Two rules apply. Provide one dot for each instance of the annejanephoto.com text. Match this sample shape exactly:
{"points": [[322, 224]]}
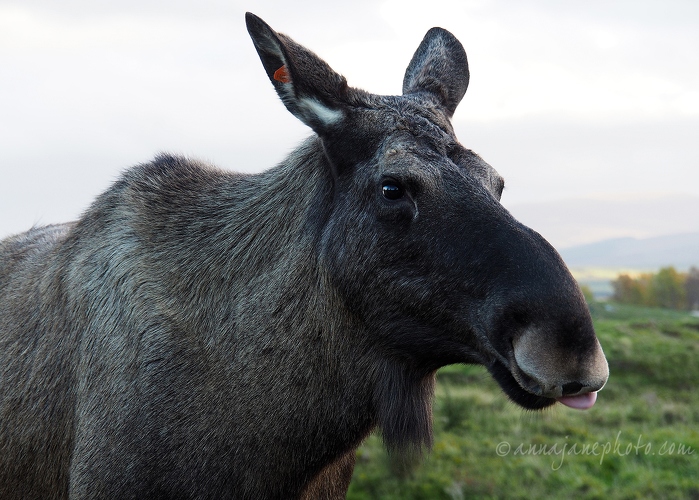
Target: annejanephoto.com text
{"points": [[618, 447]]}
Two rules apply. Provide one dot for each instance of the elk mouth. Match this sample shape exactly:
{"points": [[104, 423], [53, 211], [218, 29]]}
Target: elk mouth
{"points": [[514, 390], [532, 393]]}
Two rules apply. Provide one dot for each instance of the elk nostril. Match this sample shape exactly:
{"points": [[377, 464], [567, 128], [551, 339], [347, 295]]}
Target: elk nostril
{"points": [[571, 388]]}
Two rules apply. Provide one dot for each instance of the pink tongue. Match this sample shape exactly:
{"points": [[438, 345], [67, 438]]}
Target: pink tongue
{"points": [[581, 402]]}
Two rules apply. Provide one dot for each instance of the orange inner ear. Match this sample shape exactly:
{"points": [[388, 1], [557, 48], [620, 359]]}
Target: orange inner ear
{"points": [[282, 75]]}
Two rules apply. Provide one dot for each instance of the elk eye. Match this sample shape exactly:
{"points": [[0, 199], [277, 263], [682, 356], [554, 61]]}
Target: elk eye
{"points": [[392, 190]]}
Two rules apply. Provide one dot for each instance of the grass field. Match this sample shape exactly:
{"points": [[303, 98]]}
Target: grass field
{"points": [[641, 439]]}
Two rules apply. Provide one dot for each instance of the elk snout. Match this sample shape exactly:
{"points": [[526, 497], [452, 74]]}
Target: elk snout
{"points": [[572, 375]]}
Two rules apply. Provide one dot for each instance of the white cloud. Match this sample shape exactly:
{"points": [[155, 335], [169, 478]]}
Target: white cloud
{"points": [[582, 59], [565, 97]]}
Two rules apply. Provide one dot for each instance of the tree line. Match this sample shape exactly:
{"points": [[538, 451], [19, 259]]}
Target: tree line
{"points": [[667, 288]]}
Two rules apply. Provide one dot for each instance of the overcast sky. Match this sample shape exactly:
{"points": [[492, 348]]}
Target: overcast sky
{"points": [[567, 100]]}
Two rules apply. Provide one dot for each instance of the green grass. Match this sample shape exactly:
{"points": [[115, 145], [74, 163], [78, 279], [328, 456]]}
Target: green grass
{"points": [[641, 439]]}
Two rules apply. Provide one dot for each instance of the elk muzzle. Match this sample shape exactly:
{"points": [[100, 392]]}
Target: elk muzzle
{"points": [[572, 377]]}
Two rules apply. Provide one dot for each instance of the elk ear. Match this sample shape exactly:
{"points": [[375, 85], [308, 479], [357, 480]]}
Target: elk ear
{"points": [[440, 68], [309, 88]]}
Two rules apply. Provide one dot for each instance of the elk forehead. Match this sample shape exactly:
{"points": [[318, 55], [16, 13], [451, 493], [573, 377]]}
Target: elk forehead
{"points": [[375, 125], [419, 117], [419, 141]]}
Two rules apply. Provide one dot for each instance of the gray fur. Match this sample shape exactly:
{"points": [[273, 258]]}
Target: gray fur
{"points": [[205, 334]]}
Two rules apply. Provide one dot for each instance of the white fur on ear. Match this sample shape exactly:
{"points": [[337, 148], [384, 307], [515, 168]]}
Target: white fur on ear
{"points": [[314, 108]]}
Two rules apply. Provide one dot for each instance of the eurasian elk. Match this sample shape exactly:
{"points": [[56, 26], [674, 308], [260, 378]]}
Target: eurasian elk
{"points": [[199, 333]]}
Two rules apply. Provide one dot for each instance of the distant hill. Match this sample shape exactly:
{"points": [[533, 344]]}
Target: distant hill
{"points": [[678, 250], [572, 222]]}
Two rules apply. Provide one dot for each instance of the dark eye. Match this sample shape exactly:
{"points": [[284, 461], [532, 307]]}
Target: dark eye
{"points": [[392, 190]]}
